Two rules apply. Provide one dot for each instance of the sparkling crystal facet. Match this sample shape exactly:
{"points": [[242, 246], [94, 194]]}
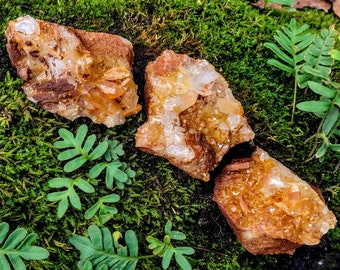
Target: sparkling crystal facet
{"points": [[269, 207], [73, 72], [193, 118]]}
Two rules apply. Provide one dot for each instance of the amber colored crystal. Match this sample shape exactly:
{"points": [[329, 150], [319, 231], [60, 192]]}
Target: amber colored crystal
{"points": [[193, 117], [73, 72], [269, 207]]}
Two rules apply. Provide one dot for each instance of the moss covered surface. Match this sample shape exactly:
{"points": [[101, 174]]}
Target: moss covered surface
{"points": [[230, 35]]}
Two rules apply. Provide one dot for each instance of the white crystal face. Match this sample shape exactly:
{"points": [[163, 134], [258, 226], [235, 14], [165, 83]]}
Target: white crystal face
{"points": [[28, 26], [200, 76]]}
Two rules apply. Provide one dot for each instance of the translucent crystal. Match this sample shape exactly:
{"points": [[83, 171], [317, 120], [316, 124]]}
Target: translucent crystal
{"points": [[72, 72], [27, 25], [193, 118], [269, 207]]}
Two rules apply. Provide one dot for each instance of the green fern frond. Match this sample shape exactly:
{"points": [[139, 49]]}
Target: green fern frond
{"points": [[101, 249], [18, 246], [293, 42], [105, 212], [115, 172], [114, 150], [78, 149], [327, 107], [167, 251], [318, 60], [68, 196], [89, 266]]}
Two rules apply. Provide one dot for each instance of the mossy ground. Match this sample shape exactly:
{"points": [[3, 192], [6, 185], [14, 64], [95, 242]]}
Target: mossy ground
{"points": [[230, 35]]}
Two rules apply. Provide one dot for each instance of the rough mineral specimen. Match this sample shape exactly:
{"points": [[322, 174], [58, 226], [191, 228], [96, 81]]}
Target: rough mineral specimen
{"points": [[73, 72], [193, 118], [270, 208]]}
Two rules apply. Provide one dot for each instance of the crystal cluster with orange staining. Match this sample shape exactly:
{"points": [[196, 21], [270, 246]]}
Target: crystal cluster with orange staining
{"points": [[261, 199], [73, 72], [193, 118]]}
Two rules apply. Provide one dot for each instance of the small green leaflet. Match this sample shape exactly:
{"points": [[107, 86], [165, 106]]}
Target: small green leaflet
{"points": [[78, 148], [105, 212], [17, 246], [69, 195], [318, 60], [166, 250], [101, 249], [314, 106]]}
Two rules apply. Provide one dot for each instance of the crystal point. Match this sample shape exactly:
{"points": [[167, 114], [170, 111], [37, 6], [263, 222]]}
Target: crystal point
{"points": [[73, 72], [193, 118], [269, 207]]}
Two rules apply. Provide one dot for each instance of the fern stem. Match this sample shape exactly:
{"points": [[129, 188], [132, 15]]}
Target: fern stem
{"points": [[316, 136], [294, 99]]}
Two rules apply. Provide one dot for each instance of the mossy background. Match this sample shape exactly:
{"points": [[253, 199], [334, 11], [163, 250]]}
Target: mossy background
{"points": [[230, 35]]}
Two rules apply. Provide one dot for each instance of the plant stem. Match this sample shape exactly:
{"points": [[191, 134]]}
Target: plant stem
{"points": [[316, 136], [294, 99]]}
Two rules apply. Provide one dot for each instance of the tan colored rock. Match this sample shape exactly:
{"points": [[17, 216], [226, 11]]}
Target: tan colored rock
{"points": [[319, 4], [193, 118], [73, 72], [299, 4], [270, 209], [336, 7]]}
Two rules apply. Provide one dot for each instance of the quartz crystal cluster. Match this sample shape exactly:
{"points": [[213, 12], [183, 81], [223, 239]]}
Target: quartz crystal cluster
{"points": [[270, 208], [73, 72], [193, 118]]}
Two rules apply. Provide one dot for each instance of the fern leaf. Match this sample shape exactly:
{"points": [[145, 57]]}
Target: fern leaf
{"points": [[306, 40], [132, 243], [80, 135], [168, 254], [314, 106], [282, 2], [322, 90], [330, 120], [18, 247], [297, 31], [280, 65], [102, 208], [15, 238], [4, 229], [284, 42], [67, 136], [102, 248], [313, 72], [294, 41], [182, 261], [77, 152], [69, 195], [75, 164], [318, 59], [99, 150], [90, 140], [114, 150], [279, 53]]}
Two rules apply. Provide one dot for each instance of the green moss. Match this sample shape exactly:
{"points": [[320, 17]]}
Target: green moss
{"points": [[230, 35]]}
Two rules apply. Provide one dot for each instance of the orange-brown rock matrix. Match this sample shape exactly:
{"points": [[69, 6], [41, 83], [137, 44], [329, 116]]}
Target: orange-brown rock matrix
{"points": [[270, 208], [193, 117], [73, 72]]}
